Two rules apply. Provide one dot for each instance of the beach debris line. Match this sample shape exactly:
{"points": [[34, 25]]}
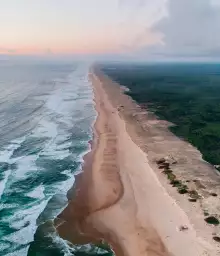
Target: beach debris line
{"points": [[183, 228], [164, 163], [194, 196], [161, 161], [213, 194], [206, 213], [192, 199], [120, 108]]}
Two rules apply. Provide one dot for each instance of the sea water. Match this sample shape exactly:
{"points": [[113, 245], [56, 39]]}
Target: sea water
{"points": [[47, 113]]}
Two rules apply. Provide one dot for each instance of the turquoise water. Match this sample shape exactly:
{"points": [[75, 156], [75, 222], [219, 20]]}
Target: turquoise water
{"points": [[47, 112]]}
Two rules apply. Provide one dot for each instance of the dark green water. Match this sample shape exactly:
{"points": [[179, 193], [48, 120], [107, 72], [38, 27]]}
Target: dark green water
{"points": [[47, 112]]}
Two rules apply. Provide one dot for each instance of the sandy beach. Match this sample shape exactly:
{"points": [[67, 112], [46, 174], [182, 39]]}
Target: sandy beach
{"points": [[123, 197]]}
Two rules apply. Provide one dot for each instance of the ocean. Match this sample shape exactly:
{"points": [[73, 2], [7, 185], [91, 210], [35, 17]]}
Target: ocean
{"points": [[46, 112]]}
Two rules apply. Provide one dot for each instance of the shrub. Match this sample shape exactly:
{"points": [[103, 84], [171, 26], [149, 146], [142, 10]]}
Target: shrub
{"points": [[212, 220]]}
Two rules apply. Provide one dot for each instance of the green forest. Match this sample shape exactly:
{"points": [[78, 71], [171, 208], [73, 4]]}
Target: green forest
{"points": [[188, 95]]}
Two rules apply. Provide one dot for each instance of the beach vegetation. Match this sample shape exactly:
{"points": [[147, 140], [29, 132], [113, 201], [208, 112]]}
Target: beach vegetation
{"points": [[212, 220], [185, 94], [216, 238], [182, 189], [171, 176], [176, 183]]}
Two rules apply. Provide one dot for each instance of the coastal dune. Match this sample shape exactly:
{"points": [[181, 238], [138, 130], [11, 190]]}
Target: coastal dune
{"points": [[119, 198]]}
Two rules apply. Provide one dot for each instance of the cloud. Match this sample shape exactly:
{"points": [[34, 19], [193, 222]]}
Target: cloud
{"points": [[191, 29], [133, 3], [141, 14]]}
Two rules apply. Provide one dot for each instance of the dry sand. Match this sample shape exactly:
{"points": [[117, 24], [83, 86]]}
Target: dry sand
{"points": [[123, 197]]}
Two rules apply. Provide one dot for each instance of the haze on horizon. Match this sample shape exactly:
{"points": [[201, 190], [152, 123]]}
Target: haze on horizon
{"points": [[136, 29]]}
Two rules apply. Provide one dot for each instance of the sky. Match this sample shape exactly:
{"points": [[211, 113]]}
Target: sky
{"points": [[134, 28]]}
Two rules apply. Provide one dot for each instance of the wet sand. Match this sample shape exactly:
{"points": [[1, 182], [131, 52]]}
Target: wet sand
{"points": [[121, 195]]}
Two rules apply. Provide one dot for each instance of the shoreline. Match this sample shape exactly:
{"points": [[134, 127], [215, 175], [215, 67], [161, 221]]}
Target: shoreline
{"points": [[114, 202], [80, 193]]}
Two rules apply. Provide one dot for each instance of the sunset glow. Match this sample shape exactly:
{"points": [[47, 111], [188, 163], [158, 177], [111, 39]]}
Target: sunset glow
{"points": [[147, 28], [78, 26]]}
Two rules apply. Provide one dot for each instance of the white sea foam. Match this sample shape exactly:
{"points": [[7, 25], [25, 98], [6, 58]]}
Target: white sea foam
{"points": [[68, 183], [66, 107], [5, 157], [26, 221], [46, 128], [7, 152], [21, 252], [37, 192], [25, 165], [4, 182]]}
